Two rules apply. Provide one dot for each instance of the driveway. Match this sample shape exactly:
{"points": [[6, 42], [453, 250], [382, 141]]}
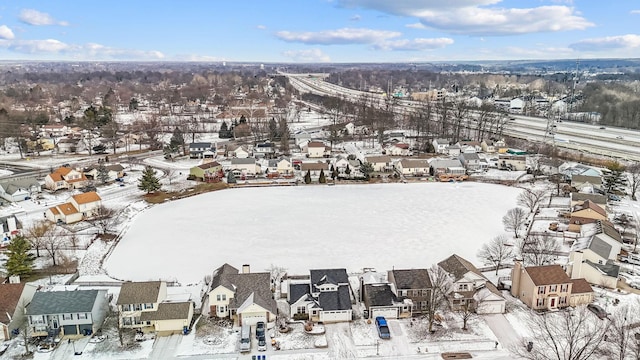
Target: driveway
{"points": [[502, 329], [165, 347]]}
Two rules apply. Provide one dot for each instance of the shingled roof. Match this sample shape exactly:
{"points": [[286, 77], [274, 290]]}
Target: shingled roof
{"points": [[168, 311], [253, 286], [411, 279], [547, 275], [458, 267], [62, 302], [379, 295], [9, 297], [146, 292]]}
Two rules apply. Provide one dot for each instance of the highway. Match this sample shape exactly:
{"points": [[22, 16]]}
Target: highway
{"points": [[622, 144]]}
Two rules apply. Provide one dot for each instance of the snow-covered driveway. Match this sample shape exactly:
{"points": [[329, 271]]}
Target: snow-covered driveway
{"points": [[502, 329]]}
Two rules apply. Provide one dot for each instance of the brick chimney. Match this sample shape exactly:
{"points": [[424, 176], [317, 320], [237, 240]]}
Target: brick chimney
{"points": [[246, 269]]}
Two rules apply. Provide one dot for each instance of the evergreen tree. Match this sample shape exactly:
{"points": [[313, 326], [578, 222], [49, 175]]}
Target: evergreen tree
{"points": [[322, 179], [366, 169], [177, 140], [103, 174], [273, 130], [284, 136], [307, 177], [614, 179], [20, 261], [224, 132], [347, 171], [334, 172], [231, 179], [149, 182], [133, 104]]}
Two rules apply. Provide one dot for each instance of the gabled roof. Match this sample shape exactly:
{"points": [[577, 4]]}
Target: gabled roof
{"points": [[145, 292], [297, 291], [414, 163], [9, 296], [589, 205], [87, 197], [596, 198], [115, 167], [238, 161], [332, 276], [168, 311], [411, 279], [458, 267], [378, 159], [335, 300], [11, 186], [66, 209], [600, 247], [608, 269], [470, 156], [379, 295], [547, 275], [62, 302], [314, 166], [198, 145], [580, 286], [255, 285], [315, 144], [221, 277], [608, 229]]}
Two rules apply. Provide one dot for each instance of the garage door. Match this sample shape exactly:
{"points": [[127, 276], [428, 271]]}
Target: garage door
{"points": [[252, 319], [386, 312], [491, 307], [335, 316], [70, 330]]}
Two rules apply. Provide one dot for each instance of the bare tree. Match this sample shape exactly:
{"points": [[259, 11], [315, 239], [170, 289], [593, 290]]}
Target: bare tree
{"points": [[277, 272], [622, 332], [537, 250], [496, 251], [514, 219], [531, 198], [36, 234], [565, 335], [634, 179], [53, 241], [104, 218], [441, 286]]}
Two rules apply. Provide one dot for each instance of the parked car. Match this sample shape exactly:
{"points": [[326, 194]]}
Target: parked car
{"points": [[619, 137], [262, 343], [614, 197], [602, 128], [599, 311], [260, 329]]}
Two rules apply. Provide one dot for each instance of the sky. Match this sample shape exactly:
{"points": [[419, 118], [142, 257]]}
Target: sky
{"points": [[316, 31]]}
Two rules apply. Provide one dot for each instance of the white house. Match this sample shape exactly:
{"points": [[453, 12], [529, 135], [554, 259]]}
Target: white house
{"points": [[19, 189]]}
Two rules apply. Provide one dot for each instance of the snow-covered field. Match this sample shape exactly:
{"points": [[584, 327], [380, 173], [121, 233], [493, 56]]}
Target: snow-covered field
{"points": [[305, 227]]}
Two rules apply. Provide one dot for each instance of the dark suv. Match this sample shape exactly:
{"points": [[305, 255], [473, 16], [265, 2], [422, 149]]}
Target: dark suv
{"points": [[260, 330]]}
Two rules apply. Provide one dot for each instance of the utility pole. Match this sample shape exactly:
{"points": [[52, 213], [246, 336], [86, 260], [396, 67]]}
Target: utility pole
{"points": [[573, 90]]}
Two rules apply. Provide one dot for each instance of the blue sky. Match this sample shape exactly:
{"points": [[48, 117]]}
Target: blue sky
{"points": [[318, 30]]}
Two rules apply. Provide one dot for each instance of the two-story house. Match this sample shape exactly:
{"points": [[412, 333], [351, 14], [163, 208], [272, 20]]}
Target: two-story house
{"points": [[206, 171], [586, 212], [380, 163], [317, 149], [76, 312], [245, 297], [79, 207], [440, 145], [548, 287], [329, 294], [113, 172], [14, 297], [135, 298], [412, 167], [197, 149], [413, 284], [19, 189], [470, 289], [594, 254], [65, 178]]}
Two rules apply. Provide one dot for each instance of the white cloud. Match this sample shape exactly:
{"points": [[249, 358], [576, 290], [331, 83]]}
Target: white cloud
{"points": [[90, 51], [6, 33], [416, 26], [35, 17], [339, 36], [608, 43], [414, 45], [475, 18], [635, 12], [307, 56], [261, 27], [197, 58]]}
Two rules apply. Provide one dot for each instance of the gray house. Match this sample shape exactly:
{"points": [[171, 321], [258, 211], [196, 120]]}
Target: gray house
{"points": [[79, 312], [19, 189], [197, 149]]}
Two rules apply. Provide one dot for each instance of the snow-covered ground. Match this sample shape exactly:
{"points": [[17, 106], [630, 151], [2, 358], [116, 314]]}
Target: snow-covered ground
{"points": [[305, 227]]}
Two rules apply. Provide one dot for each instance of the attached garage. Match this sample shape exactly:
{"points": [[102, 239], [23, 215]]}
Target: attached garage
{"points": [[252, 318], [491, 307], [389, 313], [70, 329], [86, 329], [335, 316]]}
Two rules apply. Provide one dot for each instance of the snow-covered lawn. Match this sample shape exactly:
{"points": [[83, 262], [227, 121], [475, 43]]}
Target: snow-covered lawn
{"points": [[306, 227]]}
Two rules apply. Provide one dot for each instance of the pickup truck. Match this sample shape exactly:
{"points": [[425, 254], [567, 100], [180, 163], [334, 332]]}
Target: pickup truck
{"points": [[383, 328]]}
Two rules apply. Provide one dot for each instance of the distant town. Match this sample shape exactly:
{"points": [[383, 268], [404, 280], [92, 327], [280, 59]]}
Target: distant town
{"points": [[224, 210]]}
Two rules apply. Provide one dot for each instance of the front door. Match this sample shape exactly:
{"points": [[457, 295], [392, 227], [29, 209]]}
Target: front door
{"points": [[553, 303]]}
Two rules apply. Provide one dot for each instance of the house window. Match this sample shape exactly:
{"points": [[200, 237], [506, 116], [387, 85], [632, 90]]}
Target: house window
{"points": [[222, 309], [540, 302], [463, 287], [425, 292], [402, 292], [563, 300], [564, 288], [81, 316], [148, 306], [67, 316], [423, 305], [136, 321], [126, 321], [541, 289], [302, 310], [224, 297], [138, 307], [126, 307], [553, 288]]}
